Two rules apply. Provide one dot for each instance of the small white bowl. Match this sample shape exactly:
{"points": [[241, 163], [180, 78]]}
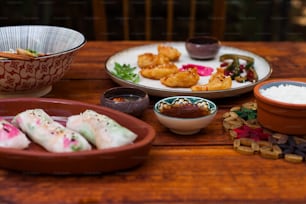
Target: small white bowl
{"points": [[187, 115]]}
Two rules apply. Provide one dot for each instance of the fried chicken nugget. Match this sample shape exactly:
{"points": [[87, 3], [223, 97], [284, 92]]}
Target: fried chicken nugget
{"points": [[159, 71], [170, 52], [181, 79], [217, 81], [149, 60]]}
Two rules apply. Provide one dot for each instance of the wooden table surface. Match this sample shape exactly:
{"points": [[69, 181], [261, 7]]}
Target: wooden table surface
{"points": [[202, 168]]}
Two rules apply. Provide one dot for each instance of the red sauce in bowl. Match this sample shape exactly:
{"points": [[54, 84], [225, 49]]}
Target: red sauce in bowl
{"points": [[125, 98]]}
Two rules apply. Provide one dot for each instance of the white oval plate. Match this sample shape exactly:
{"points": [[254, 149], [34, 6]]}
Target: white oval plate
{"points": [[154, 87]]}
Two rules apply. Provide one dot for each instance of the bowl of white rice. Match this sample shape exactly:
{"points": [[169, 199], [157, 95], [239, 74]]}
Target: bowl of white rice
{"points": [[282, 105]]}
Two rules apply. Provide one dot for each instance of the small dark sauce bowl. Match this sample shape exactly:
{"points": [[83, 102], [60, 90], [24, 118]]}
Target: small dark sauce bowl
{"points": [[129, 100], [202, 47]]}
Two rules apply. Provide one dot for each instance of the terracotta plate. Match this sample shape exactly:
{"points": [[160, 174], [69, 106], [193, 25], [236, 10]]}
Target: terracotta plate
{"points": [[154, 87], [37, 160]]}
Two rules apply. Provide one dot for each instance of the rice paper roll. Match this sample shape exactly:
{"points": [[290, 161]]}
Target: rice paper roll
{"points": [[100, 130], [51, 135], [11, 136]]}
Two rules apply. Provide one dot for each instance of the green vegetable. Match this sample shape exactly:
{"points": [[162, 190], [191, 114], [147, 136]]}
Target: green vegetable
{"points": [[126, 72], [240, 72], [247, 114], [34, 52]]}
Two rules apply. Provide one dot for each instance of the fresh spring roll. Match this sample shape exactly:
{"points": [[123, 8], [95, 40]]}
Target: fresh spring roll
{"points": [[100, 130], [51, 135], [11, 136]]}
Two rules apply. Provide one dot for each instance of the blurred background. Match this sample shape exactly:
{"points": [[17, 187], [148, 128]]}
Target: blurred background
{"points": [[173, 20]]}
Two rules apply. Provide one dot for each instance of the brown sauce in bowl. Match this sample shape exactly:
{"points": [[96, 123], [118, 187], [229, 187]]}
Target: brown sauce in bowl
{"points": [[185, 111]]}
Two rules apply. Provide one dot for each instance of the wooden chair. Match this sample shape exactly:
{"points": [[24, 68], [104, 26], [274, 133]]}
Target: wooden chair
{"points": [[101, 19]]}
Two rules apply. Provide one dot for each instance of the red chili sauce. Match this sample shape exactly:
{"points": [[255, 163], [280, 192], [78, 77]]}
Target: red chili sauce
{"points": [[125, 98], [185, 111]]}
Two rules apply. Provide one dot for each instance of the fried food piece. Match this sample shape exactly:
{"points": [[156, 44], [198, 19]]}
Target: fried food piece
{"points": [[217, 81], [181, 79], [159, 71], [149, 60], [170, 52]]}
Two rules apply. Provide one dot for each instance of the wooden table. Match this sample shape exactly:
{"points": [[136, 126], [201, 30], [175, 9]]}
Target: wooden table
{"points": [[202, 168]]}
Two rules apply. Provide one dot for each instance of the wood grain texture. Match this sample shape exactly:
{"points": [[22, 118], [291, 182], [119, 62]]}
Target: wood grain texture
{"points": [[179, 169], [170, 175]]}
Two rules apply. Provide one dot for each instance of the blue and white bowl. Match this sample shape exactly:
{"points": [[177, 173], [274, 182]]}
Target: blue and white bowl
{"points": [[35, 77], [182, 125]]}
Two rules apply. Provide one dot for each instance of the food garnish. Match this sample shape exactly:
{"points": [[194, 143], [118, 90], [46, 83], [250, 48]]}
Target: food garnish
{"points": [[202, 70], [8, 55], [241, 72], [27, 52], [21, 54], [126, 72]]}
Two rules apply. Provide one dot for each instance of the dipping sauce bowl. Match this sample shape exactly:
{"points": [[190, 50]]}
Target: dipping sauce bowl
{"points": [[129, 100], [185, 115], [202, 47]]}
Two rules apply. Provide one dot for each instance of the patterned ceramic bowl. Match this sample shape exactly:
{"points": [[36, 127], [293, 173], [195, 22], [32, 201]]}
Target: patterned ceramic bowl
{"points": [[185, 115], [35, 77]]}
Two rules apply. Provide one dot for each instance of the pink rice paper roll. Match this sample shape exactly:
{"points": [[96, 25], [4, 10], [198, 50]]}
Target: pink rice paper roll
{"points": [[11, 136], [100, 130], [51, 135]]}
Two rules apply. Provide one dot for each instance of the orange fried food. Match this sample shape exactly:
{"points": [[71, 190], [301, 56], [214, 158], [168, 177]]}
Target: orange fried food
{"points": [[170, 52], [149, 60], [217, 81], [181, 79], [159, 71]]}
